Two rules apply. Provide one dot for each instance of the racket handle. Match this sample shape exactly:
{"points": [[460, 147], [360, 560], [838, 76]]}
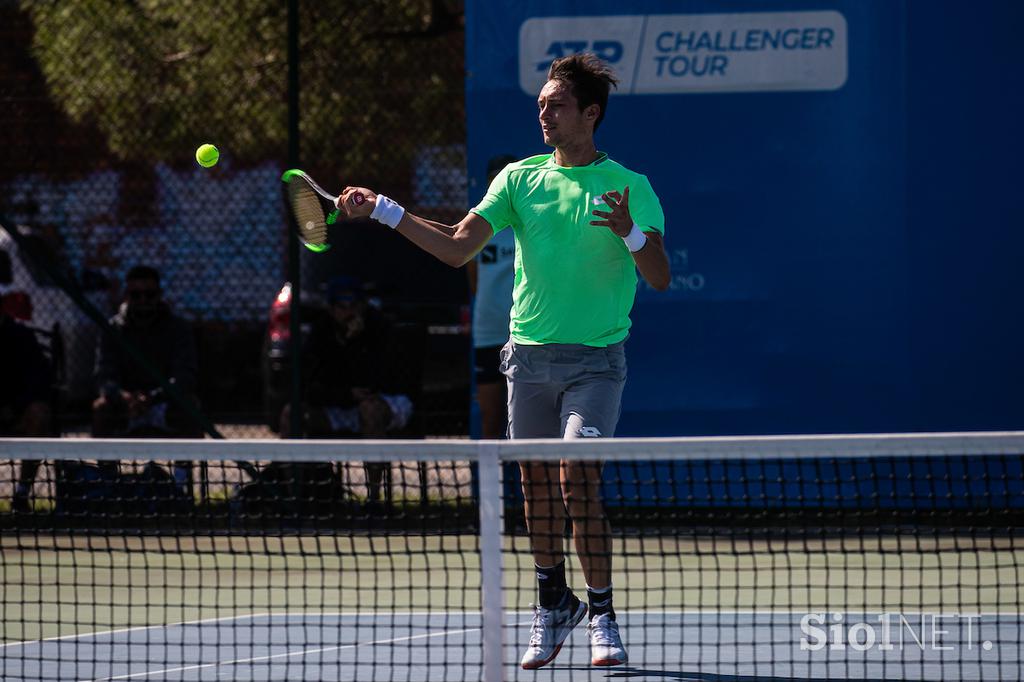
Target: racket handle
{"points": [[358, 199]]}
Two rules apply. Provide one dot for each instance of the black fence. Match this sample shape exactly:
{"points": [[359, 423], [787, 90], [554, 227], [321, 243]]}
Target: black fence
{"points": [[102, 106]]}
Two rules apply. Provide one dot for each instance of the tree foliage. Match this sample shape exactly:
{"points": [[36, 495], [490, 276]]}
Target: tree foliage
{"points": [[158, 77]]}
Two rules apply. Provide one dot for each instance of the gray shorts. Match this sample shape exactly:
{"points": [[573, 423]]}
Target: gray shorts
{"points": [[563, 390]]}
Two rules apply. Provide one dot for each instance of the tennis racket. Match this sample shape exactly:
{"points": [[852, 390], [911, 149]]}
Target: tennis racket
{"points": [[313, 208]]}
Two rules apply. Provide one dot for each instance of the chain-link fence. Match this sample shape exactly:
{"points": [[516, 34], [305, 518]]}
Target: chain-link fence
{"points": [[103, 106]]}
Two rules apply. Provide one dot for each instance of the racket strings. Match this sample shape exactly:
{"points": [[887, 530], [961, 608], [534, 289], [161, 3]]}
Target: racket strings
{"points": [[309, 214]]}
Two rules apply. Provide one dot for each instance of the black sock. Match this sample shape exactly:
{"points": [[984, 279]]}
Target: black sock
{"points": [[600, 601], [551, 582]]}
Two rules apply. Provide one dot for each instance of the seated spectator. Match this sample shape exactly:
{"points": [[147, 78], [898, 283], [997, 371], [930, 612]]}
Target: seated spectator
{"points": [[24, 395], [351, 388], [130, 402]]}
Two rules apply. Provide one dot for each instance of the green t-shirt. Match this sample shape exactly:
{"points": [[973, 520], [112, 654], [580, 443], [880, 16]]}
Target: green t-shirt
{"points": [[574, 282]]}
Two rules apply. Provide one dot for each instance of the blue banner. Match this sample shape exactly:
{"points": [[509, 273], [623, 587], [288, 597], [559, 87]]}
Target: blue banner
{"points": [[840, 188]]}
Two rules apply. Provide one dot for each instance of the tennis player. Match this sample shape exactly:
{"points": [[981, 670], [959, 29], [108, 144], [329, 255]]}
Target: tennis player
{"points": [[583, 226]]}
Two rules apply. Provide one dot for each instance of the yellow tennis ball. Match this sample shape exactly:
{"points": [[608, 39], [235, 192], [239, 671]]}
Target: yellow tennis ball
{"points": [[207, 155]]}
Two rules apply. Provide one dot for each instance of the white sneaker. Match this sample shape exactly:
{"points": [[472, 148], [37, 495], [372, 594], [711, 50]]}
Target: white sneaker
{"points": [[550, 628], [605, 643]]}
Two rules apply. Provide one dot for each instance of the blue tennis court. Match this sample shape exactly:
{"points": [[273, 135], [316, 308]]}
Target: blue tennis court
{"points": [[447, 646]]}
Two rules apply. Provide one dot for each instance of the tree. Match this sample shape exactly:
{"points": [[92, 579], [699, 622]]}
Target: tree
{"points": [[158, 77]]}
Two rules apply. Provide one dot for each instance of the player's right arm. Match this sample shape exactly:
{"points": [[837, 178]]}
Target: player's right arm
{"points": [[455, 245], [452, 244]]}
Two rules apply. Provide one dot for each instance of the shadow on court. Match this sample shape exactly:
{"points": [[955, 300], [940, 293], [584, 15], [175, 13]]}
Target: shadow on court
{"points": [[643, 673]]}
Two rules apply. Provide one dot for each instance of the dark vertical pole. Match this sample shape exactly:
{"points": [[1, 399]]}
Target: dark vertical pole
{"points": [[294, 270]]}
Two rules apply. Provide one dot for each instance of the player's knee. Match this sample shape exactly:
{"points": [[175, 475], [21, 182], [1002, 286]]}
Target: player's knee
{"points": [[537, 473], [576, 502], [581, 474], [582, 498]]}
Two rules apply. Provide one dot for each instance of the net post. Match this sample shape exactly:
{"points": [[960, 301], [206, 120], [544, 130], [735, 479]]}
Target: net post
{"points": [[492, 627]]}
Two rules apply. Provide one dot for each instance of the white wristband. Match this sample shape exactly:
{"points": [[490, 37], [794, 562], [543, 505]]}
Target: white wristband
{"points": [[635, 240], [387, 211]]}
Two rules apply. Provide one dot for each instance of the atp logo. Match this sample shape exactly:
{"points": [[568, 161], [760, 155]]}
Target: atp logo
{"points": [[609, 50], [614, 39]]}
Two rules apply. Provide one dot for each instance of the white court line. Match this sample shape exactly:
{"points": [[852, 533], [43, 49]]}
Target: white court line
{"points": [[794, 612], [442, 614], [143, 628], [376, 614], [303, 652], [140, 628]]}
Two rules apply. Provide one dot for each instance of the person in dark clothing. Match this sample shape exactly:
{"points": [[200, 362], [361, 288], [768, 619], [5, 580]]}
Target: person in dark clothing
{"points": [[130, 402], [351, 387], [27, 380]]}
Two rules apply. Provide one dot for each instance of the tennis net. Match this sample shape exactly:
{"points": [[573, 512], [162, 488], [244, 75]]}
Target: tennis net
{"points": [[824, 557]]}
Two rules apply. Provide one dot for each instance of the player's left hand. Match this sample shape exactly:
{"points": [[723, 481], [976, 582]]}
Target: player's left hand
{"points": [[618, 219]]}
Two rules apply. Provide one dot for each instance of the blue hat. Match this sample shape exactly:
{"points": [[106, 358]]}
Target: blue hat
{"points": [[344, 287]]}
